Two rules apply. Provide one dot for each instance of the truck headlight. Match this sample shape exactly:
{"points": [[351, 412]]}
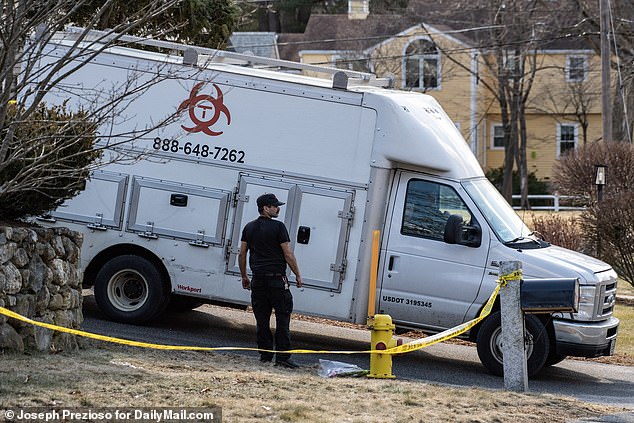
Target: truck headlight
{"points": [[587, 301]]}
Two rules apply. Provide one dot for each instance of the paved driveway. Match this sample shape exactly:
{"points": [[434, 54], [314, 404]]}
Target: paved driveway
{"points": [[445, 363]]}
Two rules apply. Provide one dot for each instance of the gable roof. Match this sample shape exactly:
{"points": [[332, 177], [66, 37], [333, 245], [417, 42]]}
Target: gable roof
{"points": [[466, 15], [339, 33]]}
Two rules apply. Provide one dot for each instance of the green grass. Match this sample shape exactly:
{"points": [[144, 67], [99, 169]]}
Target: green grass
{"points": [[625, 339]]}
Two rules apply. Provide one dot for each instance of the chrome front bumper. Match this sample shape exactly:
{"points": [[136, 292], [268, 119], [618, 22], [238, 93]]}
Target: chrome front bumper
{"points": [[586, 339]]}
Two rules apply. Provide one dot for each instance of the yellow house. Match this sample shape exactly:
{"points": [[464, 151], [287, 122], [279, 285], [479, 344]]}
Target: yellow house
{"points": [[562, 112]]}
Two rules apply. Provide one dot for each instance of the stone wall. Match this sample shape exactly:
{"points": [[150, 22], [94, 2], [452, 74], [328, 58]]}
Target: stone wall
{"points": [[39, 279]]}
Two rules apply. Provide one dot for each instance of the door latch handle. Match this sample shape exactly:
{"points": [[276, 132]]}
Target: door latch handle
{"points": [[303, 235], [390, 265]]}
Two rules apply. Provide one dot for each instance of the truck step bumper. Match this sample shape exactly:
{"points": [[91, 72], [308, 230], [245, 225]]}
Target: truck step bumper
{"points": [[586, 339]]}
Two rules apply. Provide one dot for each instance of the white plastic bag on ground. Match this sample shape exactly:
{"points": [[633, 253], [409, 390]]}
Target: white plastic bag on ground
{"points": [[329, 368]]}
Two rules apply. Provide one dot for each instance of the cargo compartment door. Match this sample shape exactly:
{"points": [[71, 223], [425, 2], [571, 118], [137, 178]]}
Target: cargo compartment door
{"points": [[100, 206], [318, 222], [319, 233], [249, 189]]}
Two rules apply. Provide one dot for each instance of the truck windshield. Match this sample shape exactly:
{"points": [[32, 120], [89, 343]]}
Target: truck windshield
{"points": [[503, 220]]}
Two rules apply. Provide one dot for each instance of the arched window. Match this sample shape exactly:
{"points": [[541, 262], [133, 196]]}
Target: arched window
{"points": [[422, 65]]}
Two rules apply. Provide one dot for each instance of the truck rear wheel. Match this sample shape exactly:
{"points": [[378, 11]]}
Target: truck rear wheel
{"points": [[130, 289], [489, 341]]}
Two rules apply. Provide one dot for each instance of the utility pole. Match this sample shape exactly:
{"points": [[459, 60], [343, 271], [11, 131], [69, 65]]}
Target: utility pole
{"points": [[606, 104]]}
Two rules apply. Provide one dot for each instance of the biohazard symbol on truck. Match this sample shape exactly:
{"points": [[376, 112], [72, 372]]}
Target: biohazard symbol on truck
{"points": [[206, 104]]}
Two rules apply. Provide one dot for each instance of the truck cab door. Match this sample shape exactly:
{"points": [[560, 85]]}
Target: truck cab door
{"points": [[424, 280]]}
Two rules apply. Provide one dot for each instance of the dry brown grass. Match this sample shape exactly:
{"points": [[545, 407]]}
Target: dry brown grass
{"points": [[625, 289], [247, 391], [110, 375], [528, 215]]}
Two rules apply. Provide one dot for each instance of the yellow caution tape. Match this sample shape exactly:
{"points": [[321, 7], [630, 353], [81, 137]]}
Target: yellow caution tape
{"points": [[503, 280], [447, 334], [405, 348], [17, 316]]}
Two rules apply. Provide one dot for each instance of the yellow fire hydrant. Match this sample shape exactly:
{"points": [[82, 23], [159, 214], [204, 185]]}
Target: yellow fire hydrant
{"points": [[381, 339]]}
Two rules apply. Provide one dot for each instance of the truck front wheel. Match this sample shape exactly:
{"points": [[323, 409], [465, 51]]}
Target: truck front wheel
{"points": [[489, 341], [130, 289]]}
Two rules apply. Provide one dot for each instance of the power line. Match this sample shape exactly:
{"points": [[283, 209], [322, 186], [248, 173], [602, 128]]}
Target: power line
{"points": [[492, 45]]}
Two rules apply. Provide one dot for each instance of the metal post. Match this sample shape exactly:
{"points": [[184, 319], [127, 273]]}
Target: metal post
{"points": [[606, 102], [513, 349], [599, 179], [374, 266]]}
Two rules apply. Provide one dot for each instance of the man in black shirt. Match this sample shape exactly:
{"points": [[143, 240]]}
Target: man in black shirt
{"points": [[269, 249]]}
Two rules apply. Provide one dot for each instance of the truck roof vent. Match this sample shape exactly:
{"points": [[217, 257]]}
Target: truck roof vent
{"points": [[190, 57], [340, 81]]}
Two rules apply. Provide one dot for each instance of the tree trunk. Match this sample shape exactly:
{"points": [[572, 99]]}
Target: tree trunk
{"points": [[509, 145], [512, 155], [623, 121], [523, 161]]}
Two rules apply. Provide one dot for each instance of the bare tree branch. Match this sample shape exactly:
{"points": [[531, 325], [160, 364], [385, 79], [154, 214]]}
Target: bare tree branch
{"points": [[39, 144]]}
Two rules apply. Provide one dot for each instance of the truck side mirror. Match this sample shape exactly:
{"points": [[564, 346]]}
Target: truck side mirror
{"points": [[453, 228], [456, 232]]}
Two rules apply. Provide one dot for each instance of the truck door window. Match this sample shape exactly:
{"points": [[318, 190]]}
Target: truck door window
{"points": [[428, 205]]}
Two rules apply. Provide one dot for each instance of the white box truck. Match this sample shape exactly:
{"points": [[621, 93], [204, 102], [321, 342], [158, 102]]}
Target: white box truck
{"points": [[347, 158]]}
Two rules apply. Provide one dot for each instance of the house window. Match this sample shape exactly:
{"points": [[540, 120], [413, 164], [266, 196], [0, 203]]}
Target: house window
{"points": [[357, 6], [567, 137], [497, 137], [421, 65], [576, 67], [509, 63]]}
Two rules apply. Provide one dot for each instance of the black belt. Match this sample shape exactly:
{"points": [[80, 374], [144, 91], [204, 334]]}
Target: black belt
{"points": [[268, 275]]}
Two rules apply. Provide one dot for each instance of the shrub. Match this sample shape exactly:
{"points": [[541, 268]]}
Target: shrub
{"points": [[608, 226], [574, 173], [45, 161], [535, 185], [562, 231]]}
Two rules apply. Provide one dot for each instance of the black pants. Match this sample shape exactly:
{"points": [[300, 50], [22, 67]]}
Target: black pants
{"points": [[264, 299]]}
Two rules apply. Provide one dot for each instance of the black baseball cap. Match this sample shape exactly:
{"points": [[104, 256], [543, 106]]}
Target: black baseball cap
{"points": [[268, 200]]}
